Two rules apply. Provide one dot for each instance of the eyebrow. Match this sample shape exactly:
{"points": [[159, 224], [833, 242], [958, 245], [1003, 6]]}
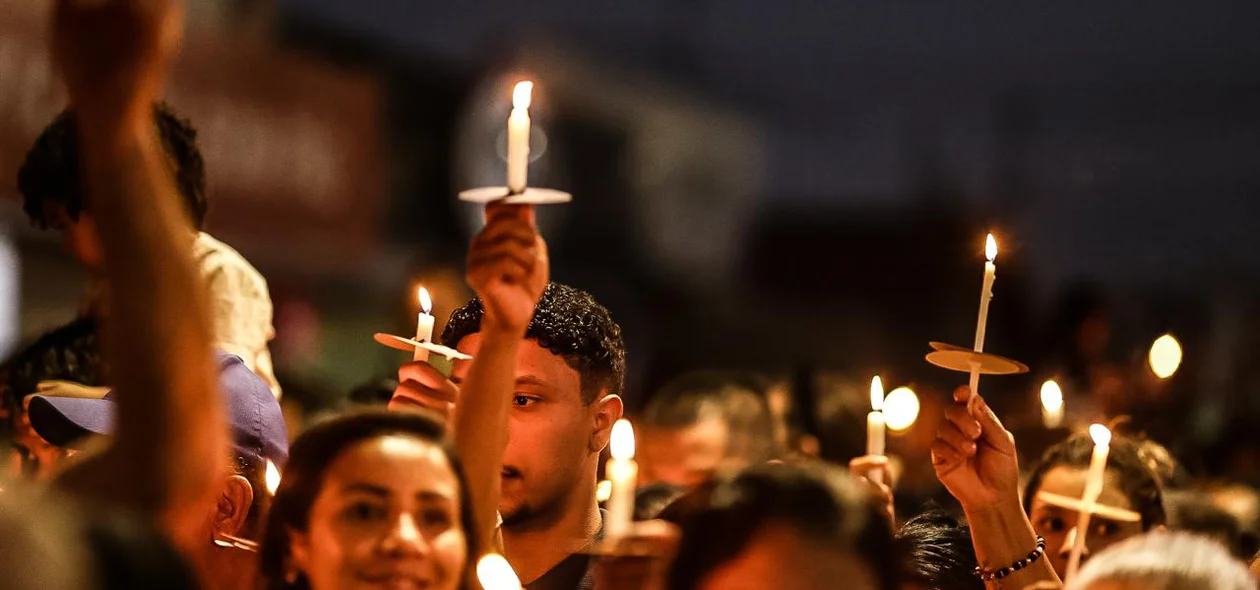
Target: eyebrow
{"points": [[532, 380], [381, 492]]}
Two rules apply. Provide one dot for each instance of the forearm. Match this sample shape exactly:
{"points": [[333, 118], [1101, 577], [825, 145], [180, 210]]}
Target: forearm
{"points": [[170, 431], [1002, 535], [481, 422]]}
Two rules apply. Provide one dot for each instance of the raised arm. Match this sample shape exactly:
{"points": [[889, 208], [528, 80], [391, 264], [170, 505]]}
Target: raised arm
{"points": [[170, 436], [508, 267], [974, 457]]}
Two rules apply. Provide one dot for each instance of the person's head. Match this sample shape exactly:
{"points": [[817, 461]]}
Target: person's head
{"points": [[258, 437], [1164, 561], [371, 499], [937, 553], [802, 526], [1194, 512], [51, 183], [69, 353], [703, 423], [1130, 485], [569, 376], [651, 499]]}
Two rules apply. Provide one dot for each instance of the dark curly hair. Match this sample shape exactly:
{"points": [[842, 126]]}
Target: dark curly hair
{"points": [[1138, 482], [937, 552], [69, 353], [572, 325], [51, 171]]}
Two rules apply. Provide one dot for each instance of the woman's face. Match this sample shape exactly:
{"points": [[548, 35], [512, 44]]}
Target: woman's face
{"points": [[388, 516], [1058, 525]]}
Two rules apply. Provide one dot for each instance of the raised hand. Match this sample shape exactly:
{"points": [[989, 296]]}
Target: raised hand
{"points": [[508, 267], [974, 455], [114, 55], [421, 385]]}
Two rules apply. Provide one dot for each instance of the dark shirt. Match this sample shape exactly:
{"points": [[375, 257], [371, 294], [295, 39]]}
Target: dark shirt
{"points": [[575, 572]]}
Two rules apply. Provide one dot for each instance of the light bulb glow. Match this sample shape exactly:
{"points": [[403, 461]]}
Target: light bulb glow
{"points": [[1051, 396], [1165, 356], [901, 409]]}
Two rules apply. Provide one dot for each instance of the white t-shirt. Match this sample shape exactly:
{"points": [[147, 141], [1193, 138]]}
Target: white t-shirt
{"points": [[240, 305]]}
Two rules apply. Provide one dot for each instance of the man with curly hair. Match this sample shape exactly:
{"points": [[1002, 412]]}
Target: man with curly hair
{"points": [[53, 198], [569, 374]]}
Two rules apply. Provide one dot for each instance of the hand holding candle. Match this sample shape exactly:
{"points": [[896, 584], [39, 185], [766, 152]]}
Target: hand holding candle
{"points": [[518, 138], [424, 324], [623, 472], [1093, 488]]}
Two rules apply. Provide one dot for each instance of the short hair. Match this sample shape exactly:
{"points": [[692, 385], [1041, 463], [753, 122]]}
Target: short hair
{"points": [[570, 324], [1165, 561], [651, 499], [1194, 512], [1138, 482], [817, 501], [305, 471], [68, 353], [738, 399], [937, 552], [51, 172]]}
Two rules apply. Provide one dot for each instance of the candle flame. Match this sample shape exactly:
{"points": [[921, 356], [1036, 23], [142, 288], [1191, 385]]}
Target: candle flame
{"points": [[495, 573], [272, 478], [901, 409], [603, 491], [426, 302], [522, 95], [1051, 396], [1165, 356], [622, 443], [877, 394], [1100, 434], [990, 248]]}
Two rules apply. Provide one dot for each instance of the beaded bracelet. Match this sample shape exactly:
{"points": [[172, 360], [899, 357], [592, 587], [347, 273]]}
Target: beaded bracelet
{"points": [[988, 575]]}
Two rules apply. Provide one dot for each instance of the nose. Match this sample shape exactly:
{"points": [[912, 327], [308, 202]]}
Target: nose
{"points": [[1065, 551], [404, 538]]}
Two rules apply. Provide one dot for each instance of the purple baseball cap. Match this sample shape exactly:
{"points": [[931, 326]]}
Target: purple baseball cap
{"points": [[258, 431]]}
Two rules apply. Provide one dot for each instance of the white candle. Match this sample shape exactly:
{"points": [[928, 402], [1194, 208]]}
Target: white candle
{"points": [[495, 573], [1051, 404], [875, 431], [986, 295], [518, 138], [623, 472], [424, 324], [1093, 488]]}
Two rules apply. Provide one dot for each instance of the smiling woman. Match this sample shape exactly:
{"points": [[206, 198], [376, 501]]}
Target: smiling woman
{"points": [[371, 499]]}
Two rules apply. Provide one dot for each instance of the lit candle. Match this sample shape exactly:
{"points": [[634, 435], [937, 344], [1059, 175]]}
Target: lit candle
{"points": [[495, 573], [623, 472], [986, 295], [424, 324], [1051, 404], [875, 426], [1093, 488], [518, 138], [272, 478], [901, 409]]}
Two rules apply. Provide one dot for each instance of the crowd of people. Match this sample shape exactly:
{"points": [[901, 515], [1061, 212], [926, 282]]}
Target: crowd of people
{"points": [[147, 447]]}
